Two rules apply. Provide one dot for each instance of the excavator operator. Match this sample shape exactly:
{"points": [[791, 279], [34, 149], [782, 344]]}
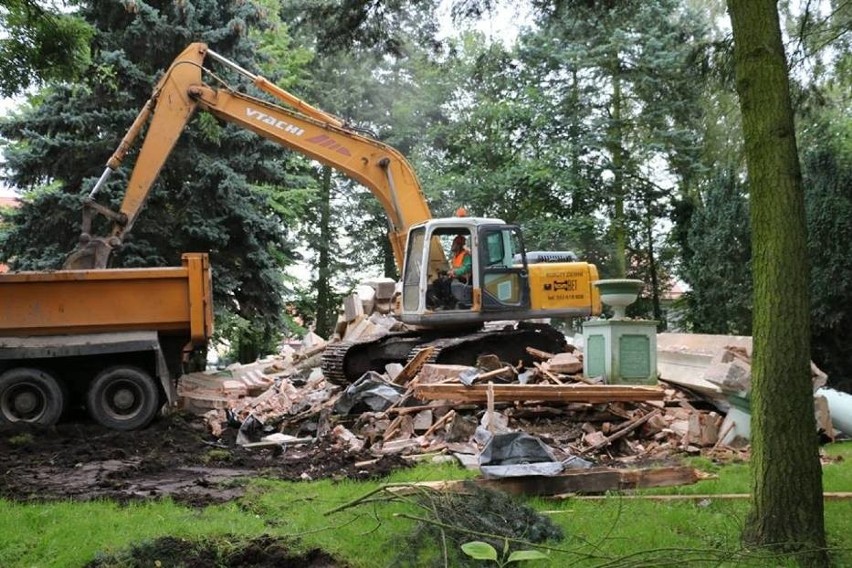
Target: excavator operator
{"points": [[461, 263], [444, 292]]}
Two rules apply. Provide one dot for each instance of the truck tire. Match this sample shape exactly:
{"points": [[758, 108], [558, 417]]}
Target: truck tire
{"points": [[30, 395], [123, 398]]}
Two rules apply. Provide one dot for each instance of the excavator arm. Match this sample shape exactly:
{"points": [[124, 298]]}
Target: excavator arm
{"points": [[303, 128]]}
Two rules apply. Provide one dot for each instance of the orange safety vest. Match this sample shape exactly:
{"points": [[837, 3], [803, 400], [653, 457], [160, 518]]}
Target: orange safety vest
{"points": [[458, 262]]}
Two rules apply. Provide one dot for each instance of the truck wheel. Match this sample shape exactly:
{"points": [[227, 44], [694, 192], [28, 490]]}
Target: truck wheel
{"points": [[123, 398], [30, 395]]}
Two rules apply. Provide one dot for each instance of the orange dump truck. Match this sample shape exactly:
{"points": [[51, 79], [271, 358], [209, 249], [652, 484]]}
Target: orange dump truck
{"points": [[110, 340]]}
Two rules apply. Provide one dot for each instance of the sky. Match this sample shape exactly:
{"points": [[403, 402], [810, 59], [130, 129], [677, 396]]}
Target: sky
{"points": [[503, 22]]}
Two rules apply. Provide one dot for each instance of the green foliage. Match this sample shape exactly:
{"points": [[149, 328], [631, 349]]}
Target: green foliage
{"points": [[479, 550], [40, 45], [495, 156], [247, 340], [825, 142], [383, 26], [389, 96], [622, 83], [827, 172], [47, 212], [222, 190], [718, 269]]}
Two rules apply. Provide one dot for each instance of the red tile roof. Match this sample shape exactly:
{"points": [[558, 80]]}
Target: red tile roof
{"points": [[9, 201]]}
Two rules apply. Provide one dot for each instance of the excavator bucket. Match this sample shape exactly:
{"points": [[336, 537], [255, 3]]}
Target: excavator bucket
{"points": [[90, 253]]}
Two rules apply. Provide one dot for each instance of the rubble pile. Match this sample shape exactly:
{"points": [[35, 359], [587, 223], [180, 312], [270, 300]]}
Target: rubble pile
{"points": [[452, 412], [506, 420]]}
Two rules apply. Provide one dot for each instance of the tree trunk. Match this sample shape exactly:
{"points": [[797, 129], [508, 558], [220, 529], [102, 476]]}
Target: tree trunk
{"points": [[787, 506], [580, 199], [390, 268], [657, 309], [616, 147], [326, 312]]}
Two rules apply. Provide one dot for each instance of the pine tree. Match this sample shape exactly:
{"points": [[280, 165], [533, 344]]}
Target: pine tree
{"points": [[366, 69], [221, 190]]}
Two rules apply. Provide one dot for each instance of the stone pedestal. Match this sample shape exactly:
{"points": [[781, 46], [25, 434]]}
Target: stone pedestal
{"points": [[622, 351]]}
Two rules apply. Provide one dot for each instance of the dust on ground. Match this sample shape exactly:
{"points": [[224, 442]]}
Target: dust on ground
{"points": [[174, 457]]}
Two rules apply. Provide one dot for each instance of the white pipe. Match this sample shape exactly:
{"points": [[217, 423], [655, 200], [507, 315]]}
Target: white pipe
{"points": [[840, 407]]}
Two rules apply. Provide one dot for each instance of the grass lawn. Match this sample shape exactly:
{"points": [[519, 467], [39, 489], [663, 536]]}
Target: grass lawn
{"points": [[617, 531]]}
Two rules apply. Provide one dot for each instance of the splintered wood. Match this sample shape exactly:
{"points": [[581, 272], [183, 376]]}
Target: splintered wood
{"points": [[413, 367]]}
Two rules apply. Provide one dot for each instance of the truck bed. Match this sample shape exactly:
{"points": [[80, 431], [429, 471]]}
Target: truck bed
{"points": [[166, 300]]}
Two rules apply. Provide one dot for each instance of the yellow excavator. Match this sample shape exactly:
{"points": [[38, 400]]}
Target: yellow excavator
{"points": [[505, 282]]}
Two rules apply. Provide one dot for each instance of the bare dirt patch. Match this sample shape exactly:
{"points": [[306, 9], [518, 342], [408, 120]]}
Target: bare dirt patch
{"points": [[175, 457], [260, 552]]}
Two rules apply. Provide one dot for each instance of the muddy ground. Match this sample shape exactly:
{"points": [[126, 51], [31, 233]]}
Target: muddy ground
{"points": [[176, 457]]}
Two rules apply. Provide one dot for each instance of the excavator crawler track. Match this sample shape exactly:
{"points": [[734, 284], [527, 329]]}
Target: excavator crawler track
{"points": [[346, 361]]}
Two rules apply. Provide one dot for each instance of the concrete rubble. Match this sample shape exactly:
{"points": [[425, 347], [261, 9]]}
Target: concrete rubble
{"points": [[719, 368]]}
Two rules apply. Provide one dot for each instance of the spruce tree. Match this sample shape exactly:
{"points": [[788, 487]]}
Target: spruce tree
{"points": [[222, 190]]}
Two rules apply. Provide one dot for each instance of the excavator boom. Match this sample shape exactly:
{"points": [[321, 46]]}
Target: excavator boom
{"points": [[448, 313], [310, 131]]}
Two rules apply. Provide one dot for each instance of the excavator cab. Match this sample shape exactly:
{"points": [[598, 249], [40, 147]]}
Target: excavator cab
{"points": [[496, 286]]}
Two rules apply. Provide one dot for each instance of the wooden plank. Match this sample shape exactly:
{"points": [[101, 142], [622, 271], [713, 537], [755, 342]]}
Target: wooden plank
{"points": [[494, 373], [539, 354], [621, 432], [566, 363], [439, 422], [595, 480], [561, 393], [828, 496], [544, 371], [458, 486], [413, 367]]}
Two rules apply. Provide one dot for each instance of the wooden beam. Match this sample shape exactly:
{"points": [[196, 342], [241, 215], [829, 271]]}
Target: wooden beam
{"points": [[561, 393], [595, 480], [539, 354], [828, 496], [494, 373], [544, 371]]}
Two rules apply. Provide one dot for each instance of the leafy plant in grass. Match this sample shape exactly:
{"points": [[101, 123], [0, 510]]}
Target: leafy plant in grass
{"points": [[492, 517], [479, 550]]}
